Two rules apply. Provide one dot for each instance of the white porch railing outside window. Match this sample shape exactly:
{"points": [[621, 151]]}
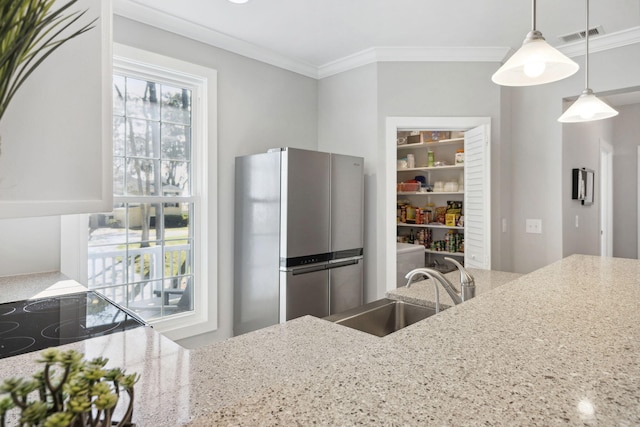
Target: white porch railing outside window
{"points": [[152, 281]]}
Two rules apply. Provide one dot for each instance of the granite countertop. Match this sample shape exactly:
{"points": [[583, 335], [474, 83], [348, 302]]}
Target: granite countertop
{"points": [[557, 346], [40, 285]]}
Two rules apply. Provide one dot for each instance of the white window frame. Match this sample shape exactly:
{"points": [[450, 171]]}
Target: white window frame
{"points": [[202, 82]]}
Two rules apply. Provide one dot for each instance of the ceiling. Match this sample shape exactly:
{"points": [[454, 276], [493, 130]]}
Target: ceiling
{"points": [[311, 35]]}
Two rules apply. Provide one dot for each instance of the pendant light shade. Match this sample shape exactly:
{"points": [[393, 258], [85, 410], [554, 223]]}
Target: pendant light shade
{"points": [[587, 107], [535, 63]]}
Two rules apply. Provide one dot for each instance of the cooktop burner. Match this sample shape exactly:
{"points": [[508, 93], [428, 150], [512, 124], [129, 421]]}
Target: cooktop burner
{"points": [[56, 304], [32, 325], [6, 310]]}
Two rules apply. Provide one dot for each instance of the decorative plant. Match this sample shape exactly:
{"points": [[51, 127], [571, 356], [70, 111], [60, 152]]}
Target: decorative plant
{"points": [[29, 32], [71, 392]]}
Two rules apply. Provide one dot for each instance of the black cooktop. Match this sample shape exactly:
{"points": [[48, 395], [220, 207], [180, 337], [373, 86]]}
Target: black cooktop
{"points": [[36, 324]]}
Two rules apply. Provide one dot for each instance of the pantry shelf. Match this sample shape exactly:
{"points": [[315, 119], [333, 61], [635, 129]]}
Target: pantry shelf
{"points": [[428, 193], [431, 144], [404, 224], [447, 159], [427, 168]]}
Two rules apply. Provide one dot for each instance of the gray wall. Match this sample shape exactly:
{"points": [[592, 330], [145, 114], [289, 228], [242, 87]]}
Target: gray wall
{"points": [[536, 182], [353, 107], [455, 89], [259, 107], [625, 141], [537, 151], [347, 124], [581, 149]]}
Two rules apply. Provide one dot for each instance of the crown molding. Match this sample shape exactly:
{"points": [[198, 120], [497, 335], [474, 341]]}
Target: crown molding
{"points": [[603, 42], [413, 54], [150, 16]]}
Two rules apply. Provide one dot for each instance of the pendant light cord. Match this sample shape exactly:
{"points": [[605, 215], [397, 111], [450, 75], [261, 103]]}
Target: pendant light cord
{"points": [[533, 15], [586, 55]]}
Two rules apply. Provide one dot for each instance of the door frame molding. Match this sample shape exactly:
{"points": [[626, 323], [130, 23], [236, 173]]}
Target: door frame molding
{"points": [[387, 181], [606, 198]]}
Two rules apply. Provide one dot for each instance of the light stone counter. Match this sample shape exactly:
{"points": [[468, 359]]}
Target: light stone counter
{"points": [[423, 292], [557, 346], [18, 288]]}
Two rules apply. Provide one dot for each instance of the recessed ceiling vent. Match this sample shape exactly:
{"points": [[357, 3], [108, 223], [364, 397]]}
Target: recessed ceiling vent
{"points": [[595, 31]]}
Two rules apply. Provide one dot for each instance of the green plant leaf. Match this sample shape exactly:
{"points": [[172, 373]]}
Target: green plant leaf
{"points": [[34, 413], [58, 419], [5, 404], [85, 394]]}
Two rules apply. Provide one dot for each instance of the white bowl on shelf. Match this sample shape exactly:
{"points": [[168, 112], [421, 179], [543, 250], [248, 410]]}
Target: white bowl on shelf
{"points": [[451, 187]]}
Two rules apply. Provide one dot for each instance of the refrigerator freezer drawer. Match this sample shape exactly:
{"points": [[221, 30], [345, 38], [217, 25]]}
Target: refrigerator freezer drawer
{"points": [[305, 294], [346, 291], [322, 289]]}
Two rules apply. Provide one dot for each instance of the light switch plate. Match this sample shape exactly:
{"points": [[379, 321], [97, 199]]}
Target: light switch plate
{"points": [[534, 226]]}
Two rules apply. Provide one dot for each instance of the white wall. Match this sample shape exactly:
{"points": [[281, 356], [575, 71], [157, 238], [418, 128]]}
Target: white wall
{"points": [[52, 135], [347, 108], [537, 151], [581, 149], [54, 119], [625, 141], [29, 245], [502, 173]]}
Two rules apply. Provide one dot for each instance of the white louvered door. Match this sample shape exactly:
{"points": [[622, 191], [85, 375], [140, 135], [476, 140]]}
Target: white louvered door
{"points": [[477, 206]]}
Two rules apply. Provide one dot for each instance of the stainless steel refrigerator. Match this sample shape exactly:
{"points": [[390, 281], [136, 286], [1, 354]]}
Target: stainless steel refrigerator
{"points": [[298, 236]]}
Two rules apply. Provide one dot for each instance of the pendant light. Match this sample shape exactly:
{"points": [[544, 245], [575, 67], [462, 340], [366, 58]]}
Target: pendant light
{"points": [[535, 63], [587, 107]]}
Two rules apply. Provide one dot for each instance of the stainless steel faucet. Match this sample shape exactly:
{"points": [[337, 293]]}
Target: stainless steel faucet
{"points": [[467, 283], [421, 271]]}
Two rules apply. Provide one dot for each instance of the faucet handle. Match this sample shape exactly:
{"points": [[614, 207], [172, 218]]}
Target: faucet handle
{"points": [[467, 282], [466, 279]]}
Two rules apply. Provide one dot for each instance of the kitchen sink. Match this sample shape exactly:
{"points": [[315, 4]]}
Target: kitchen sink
{"points": [[382, 317]]}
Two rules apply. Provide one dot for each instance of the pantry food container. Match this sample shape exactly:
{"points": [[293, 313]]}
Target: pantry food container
{"points": [[408, 186]]}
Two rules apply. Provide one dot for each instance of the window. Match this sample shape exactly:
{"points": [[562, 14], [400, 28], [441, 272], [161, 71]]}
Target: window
{"points": [[141, 254], [151, 253]]}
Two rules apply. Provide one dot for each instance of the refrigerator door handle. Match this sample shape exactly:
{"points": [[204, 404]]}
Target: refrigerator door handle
{"points": [[343, 263], [310, 269]]}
